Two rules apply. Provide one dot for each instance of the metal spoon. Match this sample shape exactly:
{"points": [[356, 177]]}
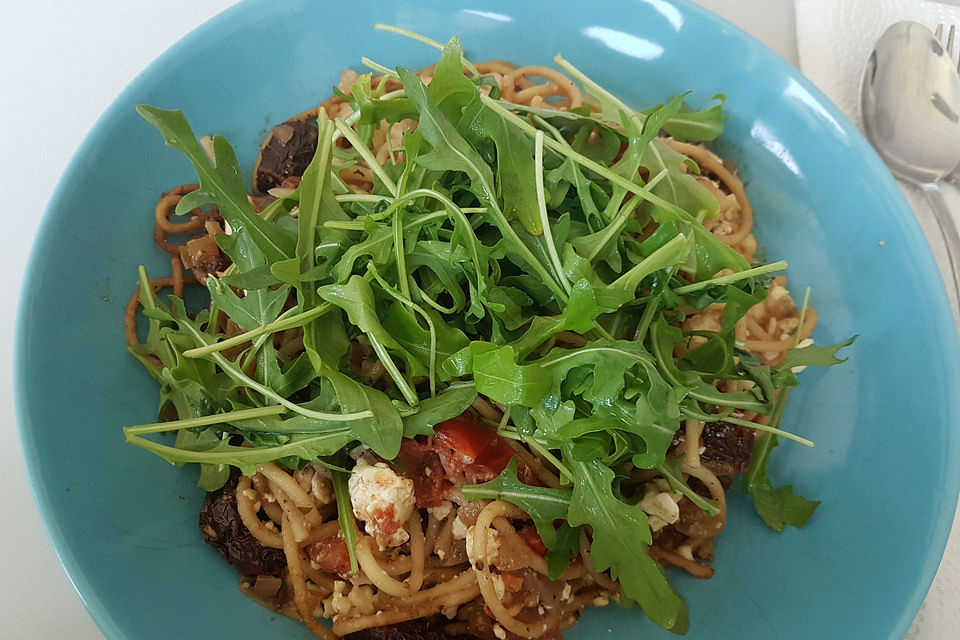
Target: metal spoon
{"points": [[910, 103]]}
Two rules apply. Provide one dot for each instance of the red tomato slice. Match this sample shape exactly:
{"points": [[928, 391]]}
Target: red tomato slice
{"points": [[464, 435], [479, 444]]}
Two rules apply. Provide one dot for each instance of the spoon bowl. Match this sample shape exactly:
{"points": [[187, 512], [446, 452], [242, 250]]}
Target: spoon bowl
{"points": [[910, 100], [910, 103]]}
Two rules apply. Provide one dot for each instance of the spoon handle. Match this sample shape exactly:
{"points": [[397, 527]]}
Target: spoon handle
{"points": [[948, 230]]}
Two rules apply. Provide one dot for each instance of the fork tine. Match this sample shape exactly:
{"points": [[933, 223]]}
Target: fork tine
{"points": [[950, 36], [938, 34], [957, 29]]}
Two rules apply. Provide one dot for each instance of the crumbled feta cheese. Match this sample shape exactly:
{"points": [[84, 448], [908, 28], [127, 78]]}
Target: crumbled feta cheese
{"points": [[500, 632], [361, 599], [493, 544], [317, 482], [459, 529], [567, 592], [660, 504], [442, 511], [383, 500]]}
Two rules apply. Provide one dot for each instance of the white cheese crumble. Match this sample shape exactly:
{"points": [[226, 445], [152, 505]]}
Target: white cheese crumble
{"points": [[374, 490], [462, 532], [442, 511], [660, 504], [316, 481]]}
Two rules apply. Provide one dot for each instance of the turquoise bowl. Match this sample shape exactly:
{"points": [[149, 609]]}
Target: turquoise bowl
{"points": [[887, 458]]}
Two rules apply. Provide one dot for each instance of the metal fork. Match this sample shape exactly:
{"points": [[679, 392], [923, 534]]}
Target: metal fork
{"points": [[953, 33], [953, 36]]}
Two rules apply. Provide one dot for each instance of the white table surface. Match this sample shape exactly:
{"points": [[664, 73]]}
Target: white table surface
{"points": [[61, 64]]}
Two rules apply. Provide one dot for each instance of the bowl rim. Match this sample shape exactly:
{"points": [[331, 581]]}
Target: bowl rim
{"points": [[101, 612]]}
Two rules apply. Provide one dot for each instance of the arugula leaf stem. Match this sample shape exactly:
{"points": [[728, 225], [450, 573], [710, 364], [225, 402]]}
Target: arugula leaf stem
{"points": [[544, 218], [360, 197], [596, 90], [281, 324], [358, 223], [351, 136], [706, 417], [430, 301], [425, 40], [539, 446], [147, 297], [733, 277], [566, 476], [677, 484], [803, 314], [400, 253], [408, 393], [379, 68], [250, 455], [648, 312], [202, 421], [149, 301], [652, 182], [762, 449]]}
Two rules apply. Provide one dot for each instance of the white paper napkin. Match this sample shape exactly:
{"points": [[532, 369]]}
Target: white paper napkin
{"points": [[834, 39]]}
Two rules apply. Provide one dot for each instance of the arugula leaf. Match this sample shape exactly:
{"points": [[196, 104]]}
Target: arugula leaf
{"points": [[777, 507], [444, 406], [317, 206], [819, 355], [258, 307], [357, 299], [220, 184], [542, 504], [402, 325], [461, 363], [348, 526], [515, 165], [678, 186], [498, 377], [383, 430], [621, 536], [215, 449], [705, 125]]}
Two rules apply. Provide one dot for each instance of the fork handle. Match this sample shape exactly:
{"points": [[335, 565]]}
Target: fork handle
{"points": [[949, 232]]}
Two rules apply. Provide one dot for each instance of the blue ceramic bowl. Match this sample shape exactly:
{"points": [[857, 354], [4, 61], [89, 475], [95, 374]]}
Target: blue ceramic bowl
{"points": [[887, 460]]}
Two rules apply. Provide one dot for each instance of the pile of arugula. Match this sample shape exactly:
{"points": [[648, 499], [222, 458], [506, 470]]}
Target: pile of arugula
{"points": [[503, 226]]}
